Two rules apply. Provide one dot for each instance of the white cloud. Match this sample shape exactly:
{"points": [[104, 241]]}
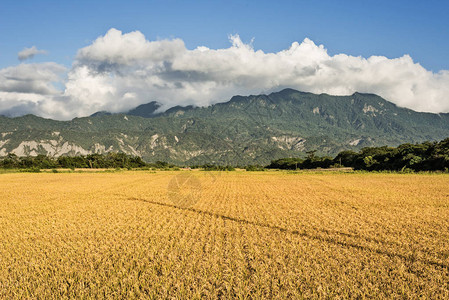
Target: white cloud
{"points": [[120, 71], [31, 78], [27, 88], [27, 53]]}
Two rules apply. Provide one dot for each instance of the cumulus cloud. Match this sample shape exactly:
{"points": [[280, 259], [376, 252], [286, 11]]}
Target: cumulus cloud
{"points": [[119, 71], [31, 78], [27, 53], [28, 88]]}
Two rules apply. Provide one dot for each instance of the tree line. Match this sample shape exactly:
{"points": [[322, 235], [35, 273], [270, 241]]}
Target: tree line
{"points": [[94, 161], [427, 156]]}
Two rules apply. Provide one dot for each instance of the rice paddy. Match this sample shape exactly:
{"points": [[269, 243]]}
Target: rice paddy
{"points": [[247, 235]]}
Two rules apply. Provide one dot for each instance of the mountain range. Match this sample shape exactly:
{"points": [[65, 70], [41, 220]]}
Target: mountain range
{"points": [[245, 130]]}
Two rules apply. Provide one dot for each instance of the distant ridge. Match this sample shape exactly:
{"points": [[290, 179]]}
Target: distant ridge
{"points": [[101, 114], [147, 110]]}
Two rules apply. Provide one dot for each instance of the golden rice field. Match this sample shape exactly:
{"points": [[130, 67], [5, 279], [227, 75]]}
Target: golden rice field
{"points": [[194, 234]]}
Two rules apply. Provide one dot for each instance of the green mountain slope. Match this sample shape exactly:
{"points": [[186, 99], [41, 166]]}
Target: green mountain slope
{"points": [[244, 130]]}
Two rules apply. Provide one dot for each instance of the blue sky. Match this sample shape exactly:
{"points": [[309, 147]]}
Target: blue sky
{"points": [[389, 28], [79, 57]]}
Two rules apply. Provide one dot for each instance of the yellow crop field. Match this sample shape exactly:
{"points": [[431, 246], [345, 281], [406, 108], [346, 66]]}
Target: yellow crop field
{"points": [[196, 234]]}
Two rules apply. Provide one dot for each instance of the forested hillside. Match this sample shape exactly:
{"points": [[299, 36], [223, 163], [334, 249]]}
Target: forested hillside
{"points": [[244, 130]]}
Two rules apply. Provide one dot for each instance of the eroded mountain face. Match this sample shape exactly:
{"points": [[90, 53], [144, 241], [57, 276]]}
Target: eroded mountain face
{"points": [[244, 130]]}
